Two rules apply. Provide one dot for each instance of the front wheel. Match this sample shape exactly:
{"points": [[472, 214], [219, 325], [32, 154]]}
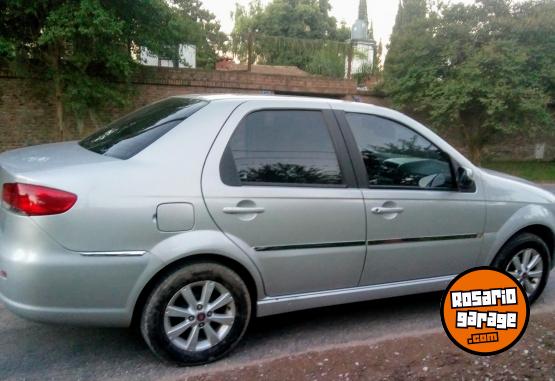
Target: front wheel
{"points": [[527, 258], [196, 314]]}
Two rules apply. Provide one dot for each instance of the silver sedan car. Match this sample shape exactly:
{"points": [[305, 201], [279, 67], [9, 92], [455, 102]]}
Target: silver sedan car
{"points": [[193, 215]]}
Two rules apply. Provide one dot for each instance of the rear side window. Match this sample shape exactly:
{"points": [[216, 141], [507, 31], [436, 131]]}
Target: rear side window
{"points": [[284, 147], [129, 135]]}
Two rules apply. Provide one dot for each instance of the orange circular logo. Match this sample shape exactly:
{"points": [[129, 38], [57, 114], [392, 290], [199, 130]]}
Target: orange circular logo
{"points": [[485, 311]]}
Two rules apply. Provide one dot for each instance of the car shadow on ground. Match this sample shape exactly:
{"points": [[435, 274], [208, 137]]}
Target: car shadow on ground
{"points": [[301, 330], [32, 350]]}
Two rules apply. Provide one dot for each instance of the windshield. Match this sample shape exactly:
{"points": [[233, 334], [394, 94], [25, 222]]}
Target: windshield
{"points": [[129, 135]]}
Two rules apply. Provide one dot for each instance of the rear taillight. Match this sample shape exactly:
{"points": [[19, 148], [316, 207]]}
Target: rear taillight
{"points": [[35, 200]]}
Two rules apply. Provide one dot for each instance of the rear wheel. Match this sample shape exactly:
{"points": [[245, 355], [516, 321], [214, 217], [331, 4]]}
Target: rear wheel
{"points": [[196, 314], [527, 258]]}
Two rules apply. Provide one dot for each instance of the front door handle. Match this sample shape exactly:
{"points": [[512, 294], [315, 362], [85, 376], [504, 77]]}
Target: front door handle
{"points": [[383, 210], [243, 210]]}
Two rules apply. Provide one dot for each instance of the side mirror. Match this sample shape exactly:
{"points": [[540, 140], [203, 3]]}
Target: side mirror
{"points": [[465, 179]]}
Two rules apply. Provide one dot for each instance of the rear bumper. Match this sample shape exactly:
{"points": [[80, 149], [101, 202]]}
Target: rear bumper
{"points": [[73, 316], [48, 283]]}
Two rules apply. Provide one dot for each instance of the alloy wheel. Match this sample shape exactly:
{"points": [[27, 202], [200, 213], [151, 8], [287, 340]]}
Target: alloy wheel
{"points": [[527, 267], [199, 316]]}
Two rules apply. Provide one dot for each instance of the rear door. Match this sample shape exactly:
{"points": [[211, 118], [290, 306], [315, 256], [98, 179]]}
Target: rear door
{"points": [[420, 225], [278, 181]]}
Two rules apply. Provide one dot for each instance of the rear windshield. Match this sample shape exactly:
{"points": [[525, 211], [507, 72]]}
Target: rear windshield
{"points": [[129, 135]]}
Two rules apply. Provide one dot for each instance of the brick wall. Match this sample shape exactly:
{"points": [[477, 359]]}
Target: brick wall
{"points": [[28, 117]]}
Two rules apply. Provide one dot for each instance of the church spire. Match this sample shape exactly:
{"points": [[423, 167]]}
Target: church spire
{"points": [[363, 11]]}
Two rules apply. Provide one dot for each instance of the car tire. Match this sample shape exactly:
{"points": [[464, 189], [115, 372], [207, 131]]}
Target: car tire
{"points": [[516, 247], [168, 310]]}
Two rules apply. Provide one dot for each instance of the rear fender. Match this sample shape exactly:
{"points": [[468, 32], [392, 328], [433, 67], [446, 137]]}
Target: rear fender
{"points": [[190, 244]]}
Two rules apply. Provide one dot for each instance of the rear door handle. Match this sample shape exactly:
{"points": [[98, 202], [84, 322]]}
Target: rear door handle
{"points": [[243, 210], [383, 210]]}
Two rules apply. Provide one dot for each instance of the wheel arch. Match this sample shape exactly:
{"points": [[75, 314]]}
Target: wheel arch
{"points": [[232, 264], [542, 231], [504, 225]]}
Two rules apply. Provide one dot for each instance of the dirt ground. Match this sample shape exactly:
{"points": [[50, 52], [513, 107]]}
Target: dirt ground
{"points": [[424, 357]]}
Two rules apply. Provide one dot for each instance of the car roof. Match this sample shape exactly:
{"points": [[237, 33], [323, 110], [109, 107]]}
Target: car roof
{"points": [[258, 97], [262, 97], [336, 104]]}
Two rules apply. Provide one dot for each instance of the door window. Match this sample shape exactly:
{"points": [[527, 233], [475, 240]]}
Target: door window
{"points": [[396, 156], [284, 147]]}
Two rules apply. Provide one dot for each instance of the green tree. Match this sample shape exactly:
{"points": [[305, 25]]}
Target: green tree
{"points": [[328, 61], [408, 12], [343, 32], [411, 27], [479, 70], [6, 50], [207, 37], [534, 28], [286, 31], [247, 21], [377, 68], [88, 48]]}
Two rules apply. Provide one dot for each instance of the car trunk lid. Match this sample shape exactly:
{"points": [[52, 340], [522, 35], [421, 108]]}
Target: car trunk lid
{"points": [[46, 157]]}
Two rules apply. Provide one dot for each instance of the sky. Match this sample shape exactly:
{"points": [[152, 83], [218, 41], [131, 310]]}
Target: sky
{"points": [[381, 12]]}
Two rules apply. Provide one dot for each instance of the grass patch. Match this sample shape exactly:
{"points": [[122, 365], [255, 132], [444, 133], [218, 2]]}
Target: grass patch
{"points": [[538, 171]]}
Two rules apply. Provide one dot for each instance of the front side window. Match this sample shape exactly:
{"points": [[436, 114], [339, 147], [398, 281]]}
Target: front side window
{"points": [[129, 135], [285, 147], [396, 156]]}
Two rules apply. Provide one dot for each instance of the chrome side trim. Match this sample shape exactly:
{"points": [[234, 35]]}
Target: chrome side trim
{"points": [[289, 303], [369, 243], [310, 246], [424, 239], [114, 254]]}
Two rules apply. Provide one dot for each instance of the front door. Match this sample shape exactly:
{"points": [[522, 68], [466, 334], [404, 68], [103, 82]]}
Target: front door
{"points": [[278, 182], [420, 225]]}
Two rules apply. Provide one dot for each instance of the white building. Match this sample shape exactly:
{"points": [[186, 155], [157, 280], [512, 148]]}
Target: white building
{"points": [[187, 58], [364, 46]]}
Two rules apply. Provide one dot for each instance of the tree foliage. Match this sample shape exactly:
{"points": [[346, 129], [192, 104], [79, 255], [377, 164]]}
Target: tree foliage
{"points": [[377, 68], [208, 37], [88, 47], [292, 32], [481, 70]]}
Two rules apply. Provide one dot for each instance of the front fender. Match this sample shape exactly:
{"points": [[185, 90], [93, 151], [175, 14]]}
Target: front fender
{"points": [[522, 218]]}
